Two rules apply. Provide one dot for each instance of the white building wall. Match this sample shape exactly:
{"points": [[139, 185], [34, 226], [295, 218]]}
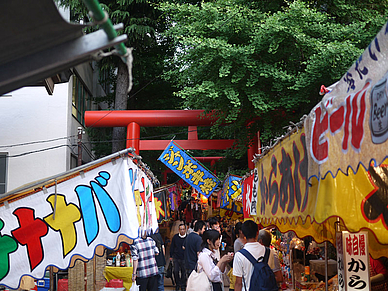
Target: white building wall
{"points": [[31, 115]]}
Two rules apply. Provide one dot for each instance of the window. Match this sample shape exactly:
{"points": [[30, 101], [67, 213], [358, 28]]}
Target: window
{"points": [[3, 173], [82, 100]]}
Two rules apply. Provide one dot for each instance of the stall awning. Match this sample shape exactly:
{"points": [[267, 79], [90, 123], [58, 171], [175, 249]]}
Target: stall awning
{"points": [[321, 172], [37, 43], [73, 215]]}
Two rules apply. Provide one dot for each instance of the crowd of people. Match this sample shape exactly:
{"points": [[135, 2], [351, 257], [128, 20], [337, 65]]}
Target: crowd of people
{"points": [[218, 250], [203, 246]]}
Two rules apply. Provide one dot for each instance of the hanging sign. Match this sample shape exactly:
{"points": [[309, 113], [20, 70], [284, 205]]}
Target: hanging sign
{"points": [[189, 169], [356, 261], [172, 198], [49, 228], [231, 189], [340, 262], [247, 186], [143, 194], [161, 206], [282, 181]]}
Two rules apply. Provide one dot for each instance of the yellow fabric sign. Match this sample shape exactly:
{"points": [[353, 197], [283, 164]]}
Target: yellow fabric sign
{"points": [[287, 200], [123, 273], [283, 181]]}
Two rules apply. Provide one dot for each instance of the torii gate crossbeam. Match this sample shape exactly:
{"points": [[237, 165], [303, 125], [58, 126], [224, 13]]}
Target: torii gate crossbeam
{"points": [[134, 119]]}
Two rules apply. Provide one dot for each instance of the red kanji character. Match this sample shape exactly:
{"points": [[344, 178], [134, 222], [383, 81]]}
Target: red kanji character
{"points": [[362, 245], [319, 143], [348, 245], [29, 233], [354, 119], [355, 245], [337, 119]]}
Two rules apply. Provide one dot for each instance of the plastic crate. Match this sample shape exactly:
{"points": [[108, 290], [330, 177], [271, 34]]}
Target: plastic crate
{"points": [[63, 285], [43, 284], [116, 283]]}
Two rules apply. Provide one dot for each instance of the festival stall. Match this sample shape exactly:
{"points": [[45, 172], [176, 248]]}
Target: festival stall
{"points": [[73, 216], [330, 171]]}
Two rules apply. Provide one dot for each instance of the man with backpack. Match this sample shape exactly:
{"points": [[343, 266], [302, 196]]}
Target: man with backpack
{"points": [[250, 265]]}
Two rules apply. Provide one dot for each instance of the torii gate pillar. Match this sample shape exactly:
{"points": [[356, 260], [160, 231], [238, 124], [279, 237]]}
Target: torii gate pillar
{"points": [[133, 136]]}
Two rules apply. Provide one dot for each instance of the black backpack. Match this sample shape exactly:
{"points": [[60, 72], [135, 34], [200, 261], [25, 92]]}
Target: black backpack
{"points": [[263, 278]]}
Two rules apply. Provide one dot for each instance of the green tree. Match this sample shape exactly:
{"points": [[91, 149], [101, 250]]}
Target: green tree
{"points": [[264, 61], [143, 24]]}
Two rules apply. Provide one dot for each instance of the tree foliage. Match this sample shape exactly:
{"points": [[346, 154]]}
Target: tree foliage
{"points": [[264, 61]]}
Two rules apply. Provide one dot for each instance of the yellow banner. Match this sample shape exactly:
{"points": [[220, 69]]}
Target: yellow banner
{"points": [[283, 181], [287, 200]]}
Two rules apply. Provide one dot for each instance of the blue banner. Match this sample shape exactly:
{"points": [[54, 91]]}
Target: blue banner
{"points": [[189, 169], [231, 190]]}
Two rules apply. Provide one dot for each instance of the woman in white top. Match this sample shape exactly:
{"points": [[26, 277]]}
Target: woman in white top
{"points": [[207, 261]]}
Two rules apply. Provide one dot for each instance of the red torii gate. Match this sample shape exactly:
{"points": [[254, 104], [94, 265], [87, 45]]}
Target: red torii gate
{"points": [[134, 119]]}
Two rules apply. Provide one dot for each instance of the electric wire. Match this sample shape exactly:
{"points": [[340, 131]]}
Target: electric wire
{"points": [[88, 151], [86, 142], [38, 151], [36, 142]]}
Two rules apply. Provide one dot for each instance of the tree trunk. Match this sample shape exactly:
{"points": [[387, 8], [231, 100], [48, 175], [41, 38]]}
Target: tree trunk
{"points": [[119, 134]]}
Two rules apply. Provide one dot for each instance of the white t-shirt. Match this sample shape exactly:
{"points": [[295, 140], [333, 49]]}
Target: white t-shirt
{"points": [[242, 267]]}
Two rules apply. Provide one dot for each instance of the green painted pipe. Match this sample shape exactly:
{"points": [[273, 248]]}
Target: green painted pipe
{"points": [[98, 15]]}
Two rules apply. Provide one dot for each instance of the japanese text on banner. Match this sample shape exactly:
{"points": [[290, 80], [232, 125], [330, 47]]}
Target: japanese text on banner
{"points": [[189, 169]]}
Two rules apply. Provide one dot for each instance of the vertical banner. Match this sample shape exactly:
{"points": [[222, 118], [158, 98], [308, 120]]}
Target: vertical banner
{"points": [[161, 207], [189, 169], [172, 198], [231, 189], [247, 195], [255, 190], [356, 261], [143, 194], [340, 262]]}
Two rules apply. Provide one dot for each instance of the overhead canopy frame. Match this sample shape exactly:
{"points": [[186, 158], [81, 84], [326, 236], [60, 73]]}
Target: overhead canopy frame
{"points": [[38, 43]]}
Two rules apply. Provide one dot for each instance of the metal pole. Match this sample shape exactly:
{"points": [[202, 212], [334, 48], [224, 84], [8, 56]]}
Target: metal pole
{"points": [[51, 278], [79, 162], [94, 272], [326, 267]]}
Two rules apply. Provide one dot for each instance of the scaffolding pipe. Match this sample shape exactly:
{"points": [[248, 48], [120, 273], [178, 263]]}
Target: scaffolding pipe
{"points": [[102, 18]]}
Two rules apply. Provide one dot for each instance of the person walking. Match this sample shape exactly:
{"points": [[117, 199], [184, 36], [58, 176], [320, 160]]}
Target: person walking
{"points": [[214, 224], [265, 238], [208, 262], [145, 269], [240, 240], [193, 246], [242, 267], [160, 258], [177, 255]]}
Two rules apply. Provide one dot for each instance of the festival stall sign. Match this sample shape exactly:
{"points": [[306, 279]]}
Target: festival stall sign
{"points": [[282, 182], [142, 189], [162, 205], [58, 222], [189, 169], [173, 197], [355, 262], [333, 165], [250, 194], [231, 190]]}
